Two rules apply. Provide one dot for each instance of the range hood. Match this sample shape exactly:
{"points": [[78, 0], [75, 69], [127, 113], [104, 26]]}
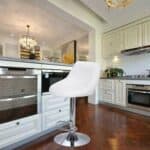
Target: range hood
{"points": [[136, 51]]}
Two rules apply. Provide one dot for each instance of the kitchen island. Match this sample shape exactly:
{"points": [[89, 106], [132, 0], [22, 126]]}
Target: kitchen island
{"points": [[44, 110]]}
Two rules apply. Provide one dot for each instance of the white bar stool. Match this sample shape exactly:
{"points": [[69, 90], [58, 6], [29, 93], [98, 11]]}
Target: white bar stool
{"points": [[81, 81]]}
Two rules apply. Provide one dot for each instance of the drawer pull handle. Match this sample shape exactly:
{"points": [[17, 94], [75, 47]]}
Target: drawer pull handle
{"points": [[59, 110], [18, 123]]}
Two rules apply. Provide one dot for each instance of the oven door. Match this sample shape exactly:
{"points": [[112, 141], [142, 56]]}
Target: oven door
{"points": [[18, 96], [50, 77], [139, 97]]}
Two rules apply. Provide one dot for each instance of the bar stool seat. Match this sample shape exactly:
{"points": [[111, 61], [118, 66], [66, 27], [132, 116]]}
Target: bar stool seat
{"points": [[80, 82], [67, 88]]}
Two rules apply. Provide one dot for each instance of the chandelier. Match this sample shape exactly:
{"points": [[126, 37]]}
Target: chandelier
{"points": [[27, 41], [118, 3]]}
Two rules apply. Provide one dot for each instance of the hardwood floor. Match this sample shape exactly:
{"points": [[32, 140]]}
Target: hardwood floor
{"points": [[109, 129]]}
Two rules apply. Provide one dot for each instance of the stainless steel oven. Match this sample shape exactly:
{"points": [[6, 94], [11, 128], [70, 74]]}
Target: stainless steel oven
{"points": [[138, 96], [19, 93], [50, 77]]}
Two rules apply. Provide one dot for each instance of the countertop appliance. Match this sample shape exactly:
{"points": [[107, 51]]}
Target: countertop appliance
{"points": [[19, 90], [138, 96], [50, 77]]}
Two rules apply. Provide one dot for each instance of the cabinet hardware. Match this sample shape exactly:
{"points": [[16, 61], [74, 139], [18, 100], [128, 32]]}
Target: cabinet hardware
{"points": [[16, 77], [17, 123], [18, 98]]}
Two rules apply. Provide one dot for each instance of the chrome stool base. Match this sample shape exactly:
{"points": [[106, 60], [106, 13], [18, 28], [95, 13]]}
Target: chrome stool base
{"points": [[72, 139]]}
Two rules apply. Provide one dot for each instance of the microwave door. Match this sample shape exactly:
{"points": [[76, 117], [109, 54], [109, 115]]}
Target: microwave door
{"points": [[49, 78]]}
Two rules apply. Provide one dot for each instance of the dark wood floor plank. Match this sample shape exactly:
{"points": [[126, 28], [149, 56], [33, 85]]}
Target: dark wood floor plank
{"points": [[109, 129]]}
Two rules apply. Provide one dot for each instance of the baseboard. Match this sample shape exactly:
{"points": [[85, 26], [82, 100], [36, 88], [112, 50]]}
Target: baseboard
{"points": [[140, 112]]}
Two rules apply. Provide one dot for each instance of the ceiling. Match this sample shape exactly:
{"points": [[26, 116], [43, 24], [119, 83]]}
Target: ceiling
{"points": [[118, 17], [47, 27]]}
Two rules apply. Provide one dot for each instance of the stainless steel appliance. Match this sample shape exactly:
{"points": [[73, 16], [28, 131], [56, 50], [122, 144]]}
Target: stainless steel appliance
{"points": [[138, 96], [19, 93], [49, 77]]}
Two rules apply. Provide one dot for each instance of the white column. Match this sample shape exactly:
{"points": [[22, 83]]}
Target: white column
{"points": [[95, 54]]}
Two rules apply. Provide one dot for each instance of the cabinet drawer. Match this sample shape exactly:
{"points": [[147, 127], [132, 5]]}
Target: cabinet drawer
{"points": [[51, 118], [59, 110], [108, 97], [51, 102], [18, 130]]}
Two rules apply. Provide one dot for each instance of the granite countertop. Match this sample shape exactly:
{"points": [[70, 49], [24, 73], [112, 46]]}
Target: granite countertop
{"points": [[33, 61], [126, 78]]}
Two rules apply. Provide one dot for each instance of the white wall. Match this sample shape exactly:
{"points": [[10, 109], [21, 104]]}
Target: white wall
{"points": [[10, 45], [136, 64]]}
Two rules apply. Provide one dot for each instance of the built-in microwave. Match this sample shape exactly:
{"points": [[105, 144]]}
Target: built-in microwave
{"points": [[19, 93], [50, 77]]}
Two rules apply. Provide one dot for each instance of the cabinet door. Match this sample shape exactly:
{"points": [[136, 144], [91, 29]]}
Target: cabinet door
{"points": [[51, 118], [107, 91], [120, 93], [18, 130], [108, 96], [118, 41], [113, 43], [101, 90], [146, 33], [107, 48], [133, 36]]}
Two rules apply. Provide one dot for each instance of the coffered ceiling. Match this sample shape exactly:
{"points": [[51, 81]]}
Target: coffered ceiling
{"points": [[118, 17], [47, 27]]}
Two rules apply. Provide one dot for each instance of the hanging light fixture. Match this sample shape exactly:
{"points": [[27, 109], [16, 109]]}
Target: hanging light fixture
{"points": [[27, 41], [118, 3]]}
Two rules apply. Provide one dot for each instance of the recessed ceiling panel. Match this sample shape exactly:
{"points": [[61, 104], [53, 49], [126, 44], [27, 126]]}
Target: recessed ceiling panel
{"points": [[116, 17]]}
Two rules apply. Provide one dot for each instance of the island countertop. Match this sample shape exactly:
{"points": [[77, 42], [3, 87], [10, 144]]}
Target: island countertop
{"points": [[29, 63], [32, 61]]}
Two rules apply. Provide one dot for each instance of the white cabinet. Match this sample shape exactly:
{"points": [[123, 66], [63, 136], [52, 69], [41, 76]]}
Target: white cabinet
{"points": [[51, 118], [118, 41], [130, 36], [19, 129], [107, 91], [107, 45], [54, 109], [113, 43], [53, 102], [133, 36], [113, 91], [146, 33], [120, 93]]}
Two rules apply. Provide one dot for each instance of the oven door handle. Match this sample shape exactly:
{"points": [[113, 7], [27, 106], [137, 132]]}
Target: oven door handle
{"points": [[136, 91], [17, 98], [17, 77]]}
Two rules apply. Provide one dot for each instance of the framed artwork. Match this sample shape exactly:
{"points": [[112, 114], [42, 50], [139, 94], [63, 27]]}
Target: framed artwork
{"points": [[1, 50], [69, 52]]}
